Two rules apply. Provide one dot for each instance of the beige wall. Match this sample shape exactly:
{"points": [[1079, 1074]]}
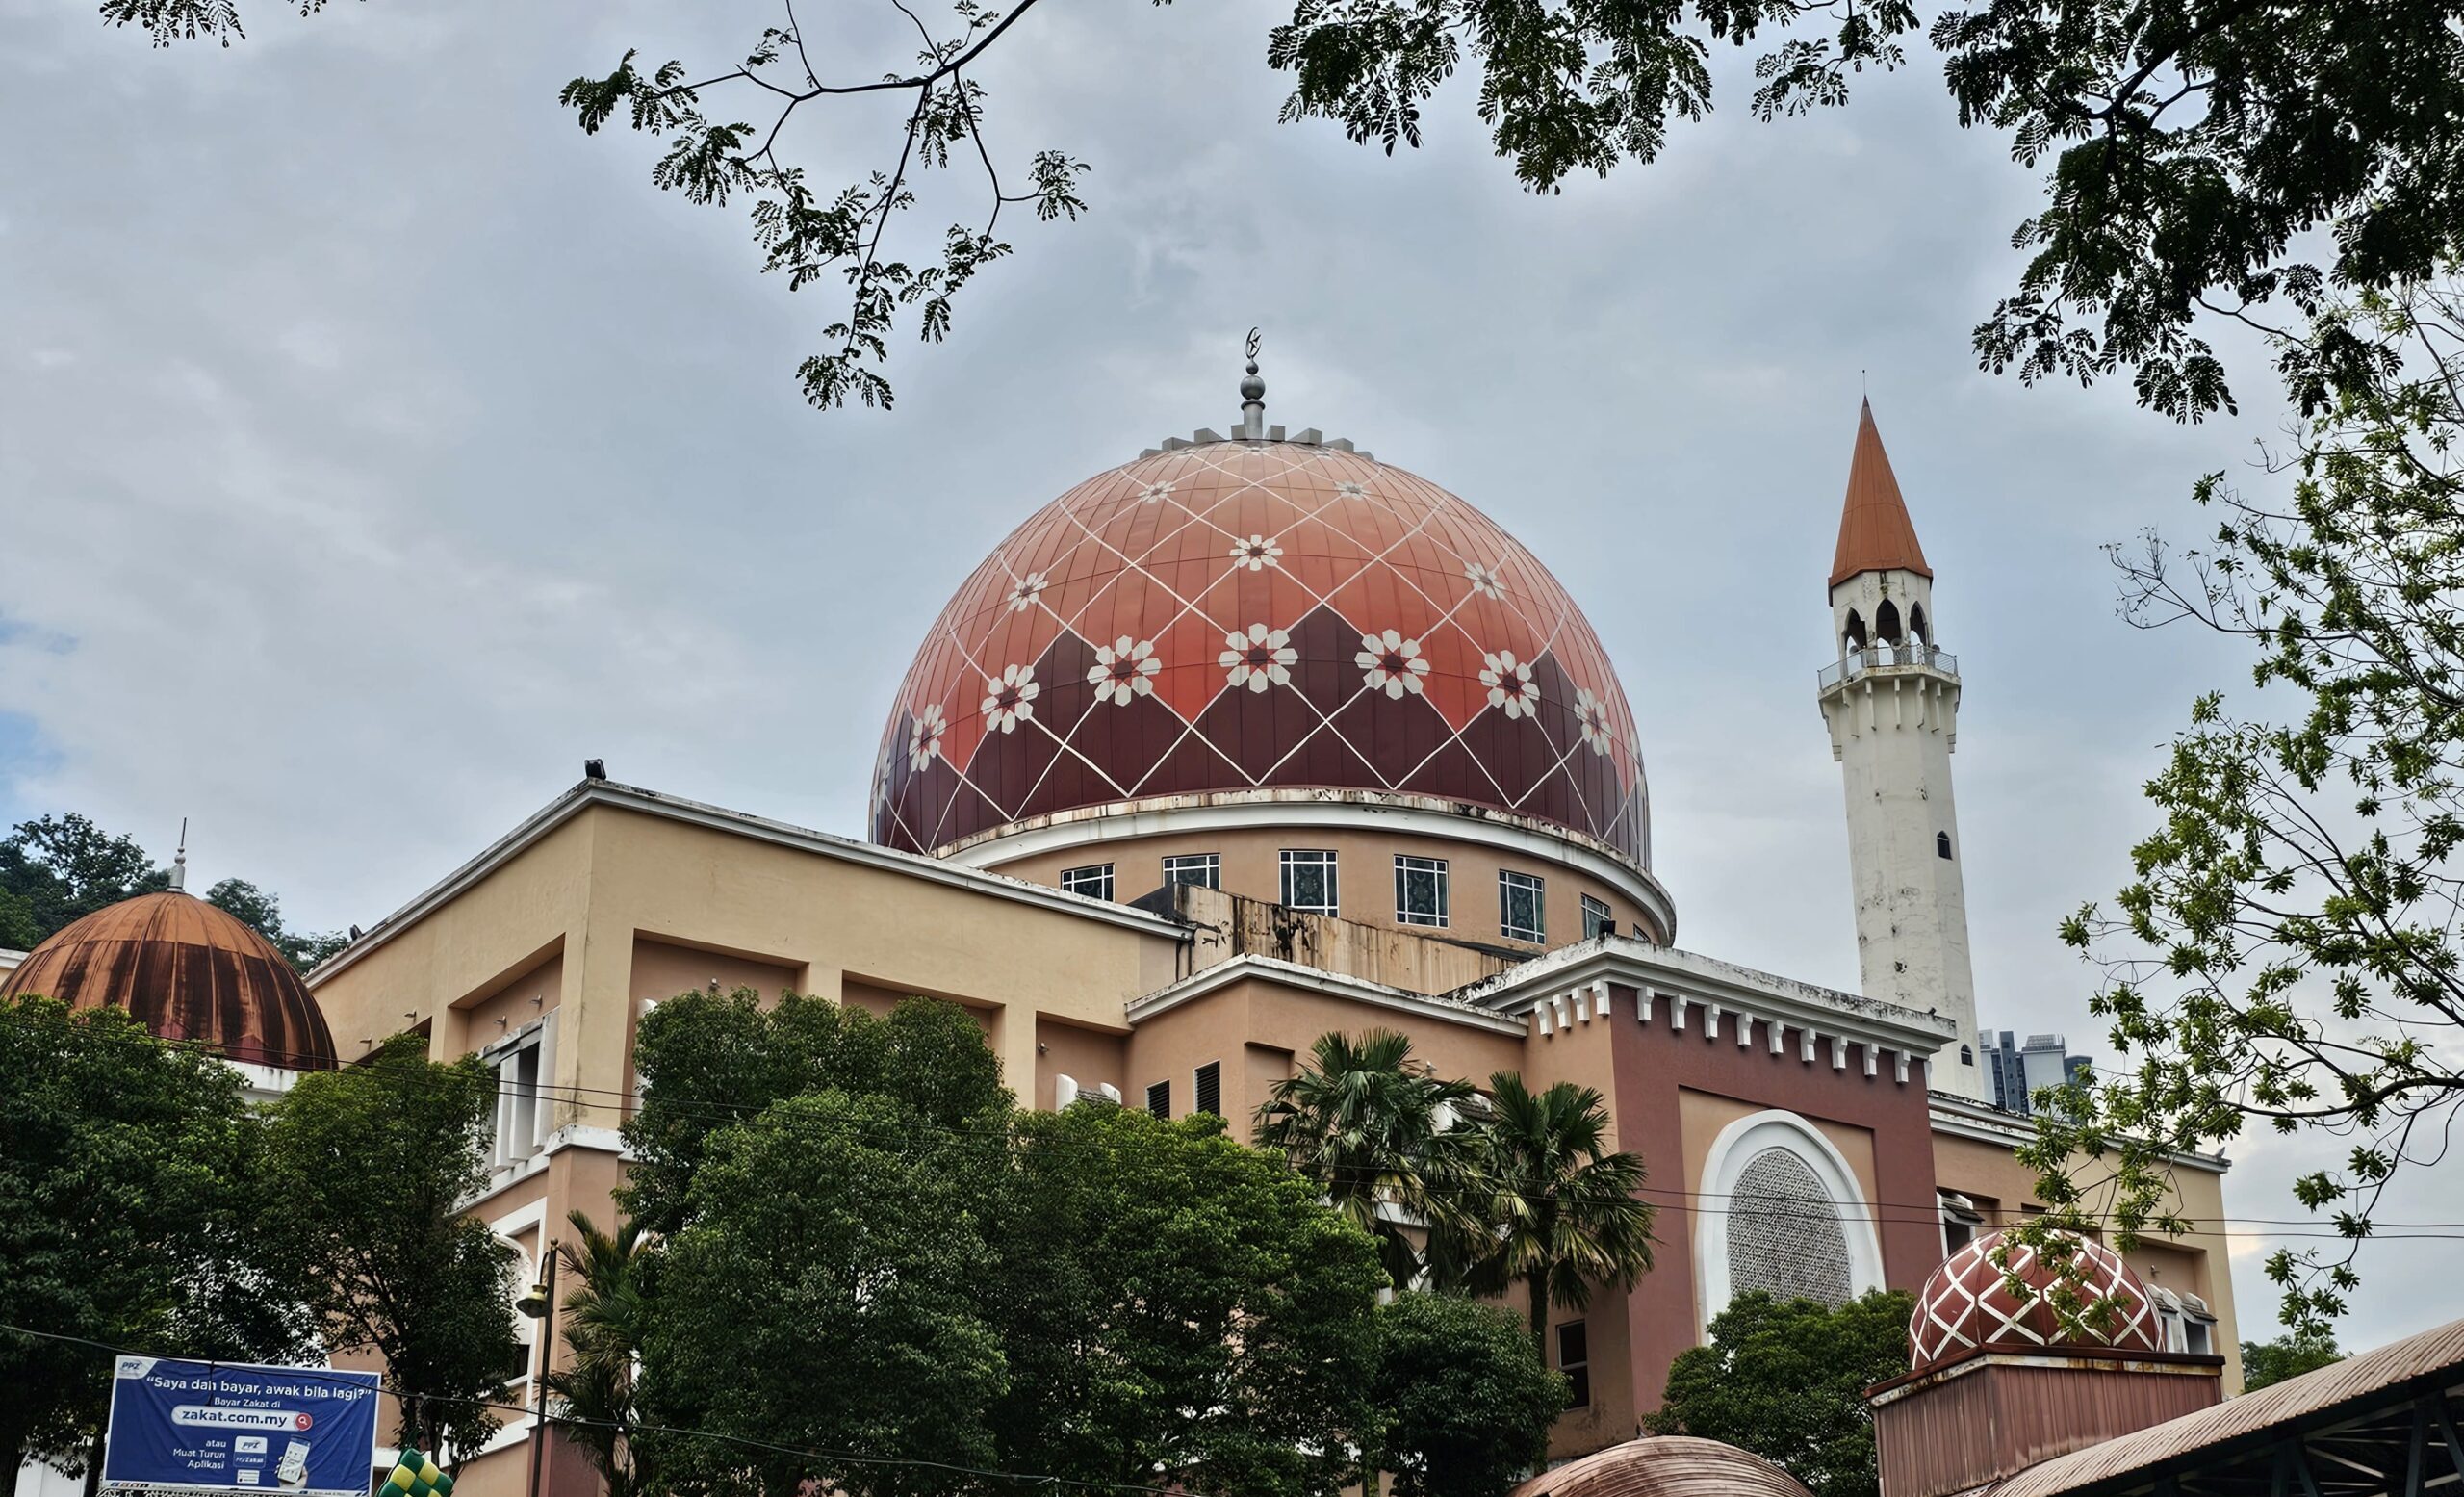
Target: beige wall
{"points": [[1088, 1056], [1258, 1028], [1365, 879], [662, 969], [479, 1020], [611, 889], [1702, 1115], [616, 907], [1225, 925]]}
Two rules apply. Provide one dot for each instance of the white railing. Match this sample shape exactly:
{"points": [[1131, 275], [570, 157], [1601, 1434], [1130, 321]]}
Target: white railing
{"points": [[1915, 652]]}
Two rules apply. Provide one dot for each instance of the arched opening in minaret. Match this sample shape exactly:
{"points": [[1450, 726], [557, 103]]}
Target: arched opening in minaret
{"points": [[1916, 623], [1887, 622], [1854, 637]]}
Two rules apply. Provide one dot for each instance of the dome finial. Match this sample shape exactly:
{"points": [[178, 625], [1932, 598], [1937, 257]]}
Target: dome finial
{"points": [[1253, 398], [180, 861]]}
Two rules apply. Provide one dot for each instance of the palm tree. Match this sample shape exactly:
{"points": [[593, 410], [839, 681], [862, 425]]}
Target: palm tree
{"points": [[1562, 1211], [1378, 1133], [603, 1320]]}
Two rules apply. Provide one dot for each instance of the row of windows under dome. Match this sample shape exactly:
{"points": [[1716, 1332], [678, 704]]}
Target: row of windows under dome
{"points": [[1887, 629], [1310, 884]]}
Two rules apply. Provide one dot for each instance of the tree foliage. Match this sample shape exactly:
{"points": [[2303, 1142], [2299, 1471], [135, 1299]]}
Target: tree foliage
{"points": [[820, 1306], [603, 1320], [56, 869], [261, 911], [2193, 150], [2286, 952], [873, 1252], [2194, 147], [1560, 1211], [132, 1186], [708, 1061], [1465, 1189], [1178, 1306], [368, 1171], [1379, 1133], [1462, 1403], [808, 232], [1785, 1379], [2265, 1364]]}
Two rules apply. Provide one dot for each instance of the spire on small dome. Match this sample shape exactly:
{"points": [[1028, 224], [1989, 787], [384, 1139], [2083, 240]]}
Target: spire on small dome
{"points": [[1875, 532], [1253, 398], [180, 861]]}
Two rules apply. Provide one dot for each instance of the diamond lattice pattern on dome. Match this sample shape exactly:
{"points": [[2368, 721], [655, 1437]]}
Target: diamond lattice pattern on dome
{"points": [[1968, 1303], [1243, 617]]}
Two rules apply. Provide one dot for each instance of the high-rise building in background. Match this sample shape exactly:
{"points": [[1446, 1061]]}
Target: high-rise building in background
{"points": [[2017, 1069]]}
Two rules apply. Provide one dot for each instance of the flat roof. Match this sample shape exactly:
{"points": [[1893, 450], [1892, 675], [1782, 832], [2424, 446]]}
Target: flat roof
{"points": [[614, 796]]}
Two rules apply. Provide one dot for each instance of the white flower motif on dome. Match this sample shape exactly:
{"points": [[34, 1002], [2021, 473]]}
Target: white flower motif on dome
{"points": [[1123, 670], [1511, 688], [1030, 587], [1485, 579], [1155, 493], [1258, 659], [1593, 714], [1257, 554], [1012, 699], [1350, 489], [924, 736], [1391, 663]]}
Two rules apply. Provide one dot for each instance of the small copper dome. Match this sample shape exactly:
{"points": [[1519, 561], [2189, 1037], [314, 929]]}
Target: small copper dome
{"points": [[1665, 1466], [189, 972], [1967, 1303]]}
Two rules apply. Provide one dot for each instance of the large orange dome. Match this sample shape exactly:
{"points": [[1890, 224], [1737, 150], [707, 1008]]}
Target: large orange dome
{"points": [[1254, 618], [188, 970]]}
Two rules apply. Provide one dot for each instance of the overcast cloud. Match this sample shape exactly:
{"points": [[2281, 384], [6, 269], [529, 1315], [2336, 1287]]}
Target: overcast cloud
{"points": [[374, 447]]}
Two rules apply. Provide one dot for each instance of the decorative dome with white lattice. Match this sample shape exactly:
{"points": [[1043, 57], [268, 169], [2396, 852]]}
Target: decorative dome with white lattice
{"points": [[1969, 1304], [1261, 619]]}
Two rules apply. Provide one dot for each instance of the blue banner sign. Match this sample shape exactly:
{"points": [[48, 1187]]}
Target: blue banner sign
{"points": [[206, 1428]]}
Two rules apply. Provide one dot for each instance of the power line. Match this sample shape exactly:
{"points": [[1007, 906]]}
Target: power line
{"points": [[1919, 1213]]}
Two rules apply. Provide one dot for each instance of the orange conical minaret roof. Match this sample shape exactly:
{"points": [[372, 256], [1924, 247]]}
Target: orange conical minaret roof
{"points": [[1875, 533]]}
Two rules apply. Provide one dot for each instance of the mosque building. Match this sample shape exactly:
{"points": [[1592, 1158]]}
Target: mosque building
{"points": [[1253, 738]]}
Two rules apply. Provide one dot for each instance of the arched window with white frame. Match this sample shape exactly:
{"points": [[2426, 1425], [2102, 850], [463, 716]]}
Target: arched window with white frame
{"points": [[1783, 1213]]}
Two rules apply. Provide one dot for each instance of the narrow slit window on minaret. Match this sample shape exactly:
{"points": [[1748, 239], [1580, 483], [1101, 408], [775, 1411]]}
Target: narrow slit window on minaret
{"points": [[1942, 844]]}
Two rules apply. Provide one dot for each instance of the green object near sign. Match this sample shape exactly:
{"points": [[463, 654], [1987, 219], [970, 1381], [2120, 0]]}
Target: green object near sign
{"points": [[416, 1476]]}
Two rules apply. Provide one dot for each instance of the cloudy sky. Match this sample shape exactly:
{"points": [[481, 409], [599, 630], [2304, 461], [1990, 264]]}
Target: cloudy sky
{"points": [[374, 447]]}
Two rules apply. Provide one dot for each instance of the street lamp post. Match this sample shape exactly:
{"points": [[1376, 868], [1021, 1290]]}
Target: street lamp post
{"points": [[540, 1304]]}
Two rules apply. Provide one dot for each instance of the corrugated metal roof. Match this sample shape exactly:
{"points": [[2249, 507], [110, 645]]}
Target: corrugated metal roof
{"points": [[2349, 1381]]}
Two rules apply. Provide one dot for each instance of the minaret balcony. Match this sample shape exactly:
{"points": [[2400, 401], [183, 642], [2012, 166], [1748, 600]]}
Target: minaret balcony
{"points": [[1909, 658]]}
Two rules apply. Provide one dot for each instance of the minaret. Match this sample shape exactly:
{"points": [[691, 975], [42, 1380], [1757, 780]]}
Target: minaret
{"points": [[1891, 702]]}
